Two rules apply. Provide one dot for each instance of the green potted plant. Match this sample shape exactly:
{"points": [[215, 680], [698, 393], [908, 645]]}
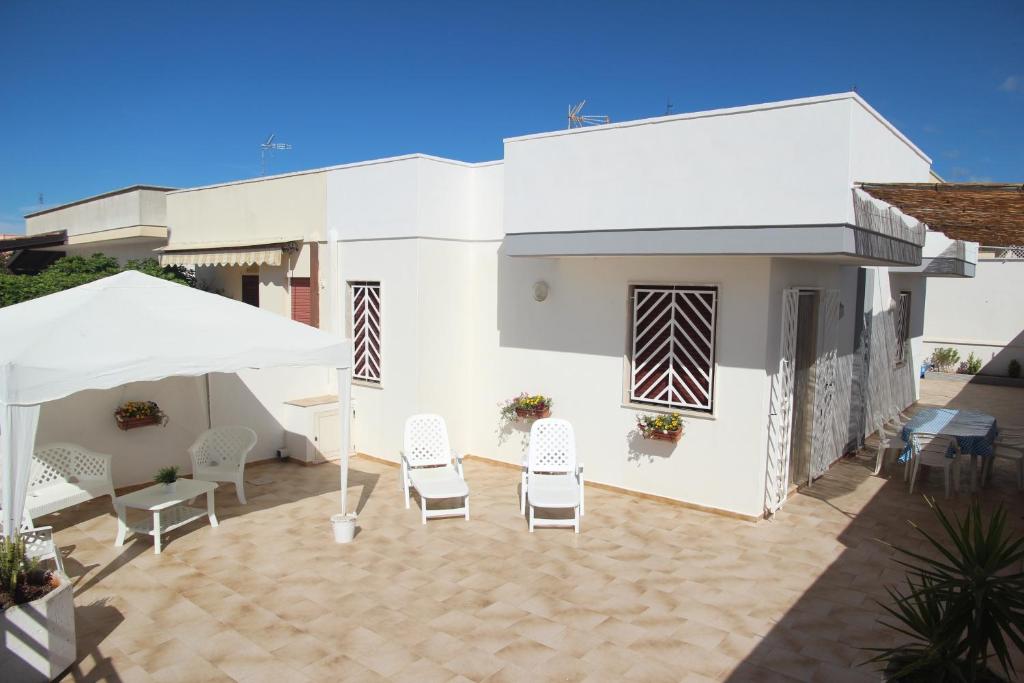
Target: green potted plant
{"points": [[526, 406], [660, 427], [1013, 369], [167, 477], [37, 617], [132, 414], [963, 606]]}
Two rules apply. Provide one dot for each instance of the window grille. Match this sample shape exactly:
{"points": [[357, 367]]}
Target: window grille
{"points": [[673, 346]]}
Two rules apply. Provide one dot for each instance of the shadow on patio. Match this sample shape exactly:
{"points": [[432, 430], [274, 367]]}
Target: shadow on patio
{"points": [[821, 636]]}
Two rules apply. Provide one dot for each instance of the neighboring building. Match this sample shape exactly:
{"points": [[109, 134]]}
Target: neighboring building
{"points": [[983, 316], [128, 224], [718, 263]]}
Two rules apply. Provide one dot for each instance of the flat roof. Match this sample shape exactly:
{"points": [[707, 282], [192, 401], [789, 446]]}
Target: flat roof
{"points": [[338, 167], [728, 111], [104, 195]]}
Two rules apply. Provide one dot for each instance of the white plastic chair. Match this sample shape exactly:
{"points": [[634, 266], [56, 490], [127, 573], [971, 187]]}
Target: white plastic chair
{"points": [[1009, 446], [888, 441], [932, 450], [427, 466], [219, 454], [39, 544], [554, 476]]}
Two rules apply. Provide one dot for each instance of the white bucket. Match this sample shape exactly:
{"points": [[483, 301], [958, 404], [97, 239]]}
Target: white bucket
{"points": [[344, 527]]}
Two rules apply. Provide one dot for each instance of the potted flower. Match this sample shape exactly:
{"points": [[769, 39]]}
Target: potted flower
{"points": [[660, 427], [37, 617], [963, 606], [132, 414], [525, 406], [167, 477]]}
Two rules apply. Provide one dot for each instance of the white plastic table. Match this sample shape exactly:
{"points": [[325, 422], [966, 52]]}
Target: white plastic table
{"points": [[169, 510]]}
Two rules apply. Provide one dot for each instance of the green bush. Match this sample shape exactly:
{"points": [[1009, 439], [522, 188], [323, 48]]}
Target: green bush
{"points": [[1014, 369], [72, 271], [972, 366], [944, 359]]}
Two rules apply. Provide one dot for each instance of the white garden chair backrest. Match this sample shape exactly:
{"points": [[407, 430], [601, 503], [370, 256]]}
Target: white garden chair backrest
{"points": [[932, 448], [57, 462], [226, 446], [552, 446], [426, 441]]}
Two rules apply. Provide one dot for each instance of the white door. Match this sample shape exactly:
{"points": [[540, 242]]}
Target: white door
{"points": [[327, 433]]}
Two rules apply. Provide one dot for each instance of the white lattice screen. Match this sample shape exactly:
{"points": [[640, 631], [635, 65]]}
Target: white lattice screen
{"points": [[902, 315], [673, 350], [366, 331]]}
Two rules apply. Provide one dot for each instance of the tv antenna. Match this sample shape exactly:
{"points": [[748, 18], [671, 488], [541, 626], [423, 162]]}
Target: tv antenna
{"points": [[577, 119], [267, 149], [668, 106]]}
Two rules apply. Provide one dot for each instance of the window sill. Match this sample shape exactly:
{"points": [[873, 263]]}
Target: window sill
{"points": [[367, 384], [693, 414]]}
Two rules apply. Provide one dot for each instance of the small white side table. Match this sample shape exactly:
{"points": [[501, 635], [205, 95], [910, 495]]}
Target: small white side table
{"points": [[169, 510]]}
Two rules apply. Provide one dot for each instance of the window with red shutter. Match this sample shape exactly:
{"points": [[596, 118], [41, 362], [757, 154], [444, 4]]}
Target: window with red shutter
{"points": [[302, 302], [672, 354]]}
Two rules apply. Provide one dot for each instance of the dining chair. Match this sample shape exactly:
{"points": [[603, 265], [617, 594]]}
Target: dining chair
{"points": [[933, 450]]}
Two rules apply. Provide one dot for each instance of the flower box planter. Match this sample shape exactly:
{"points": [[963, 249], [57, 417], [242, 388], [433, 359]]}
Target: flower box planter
{"points": [[662, 435], [126, 423], [533, 413], [37, 639]]}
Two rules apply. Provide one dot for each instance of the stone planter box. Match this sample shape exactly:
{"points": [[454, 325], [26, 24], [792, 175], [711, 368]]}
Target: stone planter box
{"points": [[39, 636]]}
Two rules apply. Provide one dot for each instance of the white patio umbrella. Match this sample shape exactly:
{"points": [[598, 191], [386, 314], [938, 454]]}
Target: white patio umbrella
{"points": [[132, 327]]}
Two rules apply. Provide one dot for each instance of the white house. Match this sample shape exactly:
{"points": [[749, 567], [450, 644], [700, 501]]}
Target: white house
{"points": [[721, 264], [128, 224]]}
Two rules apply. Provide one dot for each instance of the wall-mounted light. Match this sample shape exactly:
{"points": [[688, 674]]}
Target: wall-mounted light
{"points": [[540, 290]]}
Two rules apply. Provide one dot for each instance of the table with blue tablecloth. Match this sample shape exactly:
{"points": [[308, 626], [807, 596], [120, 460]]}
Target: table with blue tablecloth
{"points": [[975, 432]]}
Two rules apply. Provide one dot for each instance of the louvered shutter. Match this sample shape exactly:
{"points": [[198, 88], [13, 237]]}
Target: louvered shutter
{"points": [[673, 349], [366, 331], [302, 302]]}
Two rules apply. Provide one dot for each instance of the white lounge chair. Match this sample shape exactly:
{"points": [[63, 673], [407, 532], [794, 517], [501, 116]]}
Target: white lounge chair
{"points": [[932, 450], [554, 476], [219, 455], [427, 466]]}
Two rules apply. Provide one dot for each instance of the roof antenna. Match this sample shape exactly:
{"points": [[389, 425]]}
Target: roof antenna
{"points": [[668, 106], [577, 119], [267, 149], [40, 199]]}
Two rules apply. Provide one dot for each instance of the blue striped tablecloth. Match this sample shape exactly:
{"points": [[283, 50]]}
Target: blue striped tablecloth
{"points": [[974, 431]]}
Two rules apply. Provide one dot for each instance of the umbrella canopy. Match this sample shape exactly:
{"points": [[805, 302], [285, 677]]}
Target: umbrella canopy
{"points": [[132, 327]]}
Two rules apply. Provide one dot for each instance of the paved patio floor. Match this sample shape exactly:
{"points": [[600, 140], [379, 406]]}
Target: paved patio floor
{"points": [[649, 591]]}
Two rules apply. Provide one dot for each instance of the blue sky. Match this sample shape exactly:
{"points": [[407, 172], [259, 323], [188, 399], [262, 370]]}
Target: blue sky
{"points": [[100, 95]]}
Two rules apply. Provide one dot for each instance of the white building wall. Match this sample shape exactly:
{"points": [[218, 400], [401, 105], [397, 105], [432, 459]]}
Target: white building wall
{"points": [[571, 347], [980, 315], [127, 209]]}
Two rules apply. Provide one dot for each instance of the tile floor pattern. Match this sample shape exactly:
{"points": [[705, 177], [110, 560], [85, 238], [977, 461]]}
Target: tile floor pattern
{"points": [[649, 591]]}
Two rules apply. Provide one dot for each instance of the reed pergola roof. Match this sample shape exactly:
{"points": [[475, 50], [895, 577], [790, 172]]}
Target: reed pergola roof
{"points": [[987, 213]]}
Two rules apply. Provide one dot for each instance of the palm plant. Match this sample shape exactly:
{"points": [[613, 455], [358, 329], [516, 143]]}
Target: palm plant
{"points": [[963, 605]]}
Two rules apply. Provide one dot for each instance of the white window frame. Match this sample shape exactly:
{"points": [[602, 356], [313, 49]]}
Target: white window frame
{"points": [[704, 408], [366, 378]]}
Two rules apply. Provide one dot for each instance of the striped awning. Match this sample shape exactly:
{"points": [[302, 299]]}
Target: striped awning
{"points": [[224, 255]]}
